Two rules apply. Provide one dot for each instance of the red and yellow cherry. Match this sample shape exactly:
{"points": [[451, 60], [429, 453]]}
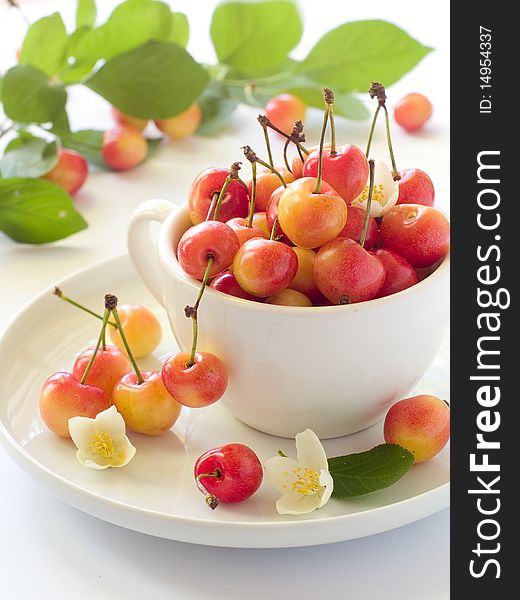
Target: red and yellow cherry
{"points": [[235, 202], [297, 162], [304, 281], [146, 407], [420, 424], [260, 221], [227, 284], [412, 111], [346, 273], [230, 473], [141, 327], [264, 267], [183, 124], [415, 187], [284, 110], [308, 219], [107, 369], [354, 227], [399, 273], [271, 215], [420, 234], [208, 239], [70, 172], [241, 227], [124, 147], [346, 170], [122, 119], [266, 183], [63, 397], [289, 297], [197, 385]]}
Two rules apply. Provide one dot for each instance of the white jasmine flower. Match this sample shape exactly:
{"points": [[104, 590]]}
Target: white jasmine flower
{"points": [[101, 442], [385, 194], [305, 483]]}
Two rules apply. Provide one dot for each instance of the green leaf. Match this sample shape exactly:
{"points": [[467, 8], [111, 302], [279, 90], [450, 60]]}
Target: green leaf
{"points": [[253, 37], [351, 56], [45, 45], [28, 97], [131, 24], [36, 211], [367, 472], [76, 70], [28, 156], [155, 81], [216, 109], [86, 13], [180, 30]]}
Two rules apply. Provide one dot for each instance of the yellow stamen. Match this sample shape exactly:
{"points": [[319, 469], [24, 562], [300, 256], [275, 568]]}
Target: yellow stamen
{"points": [[306, 483], [378, 195], [102, 444]]}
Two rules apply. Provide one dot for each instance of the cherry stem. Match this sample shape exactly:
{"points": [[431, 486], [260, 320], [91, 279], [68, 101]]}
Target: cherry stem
{"points": [[285, 147], [390, 148], [211, 500], [262, 119], [322, 139], [233, 175], [328, 96], [106, 314], [111, 305], [211, 210], [252, 157], [370, 135], [253, 195], [371, 166], [268, 145], [273, 229], [57, 292], [191, 311]]}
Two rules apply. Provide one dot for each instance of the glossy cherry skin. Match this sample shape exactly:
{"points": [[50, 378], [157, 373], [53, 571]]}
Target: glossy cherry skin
{"points": [[271, 215], [297, 162], [354, 227], [226, 283], [122, 119], [70, 172], [142, 329], [198, 385], [62, 397], [304, 281], [260, 221], [420, 234], [308, 219], [284, 110], [346, 171], [264, 267], [183, 124], [124, 147], [234, 204], [289, 297], [412, 111], [415, 187], [266, 184], [346, 273], [146, 407], [420, 424], [239, 472], [240, 226], [107, 369], [399, 273], [198, 243]]}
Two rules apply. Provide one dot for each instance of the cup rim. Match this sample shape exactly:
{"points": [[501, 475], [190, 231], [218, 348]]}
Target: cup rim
{"points": [[168, 257]]}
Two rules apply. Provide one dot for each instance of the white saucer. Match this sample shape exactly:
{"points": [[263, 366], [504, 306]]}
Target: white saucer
{"points": [[156, 493]]}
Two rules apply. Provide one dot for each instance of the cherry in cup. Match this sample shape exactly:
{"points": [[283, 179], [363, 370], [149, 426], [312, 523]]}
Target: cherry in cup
{"points": [[415, 187], [399, 273], [228, 474], [226, 283]]}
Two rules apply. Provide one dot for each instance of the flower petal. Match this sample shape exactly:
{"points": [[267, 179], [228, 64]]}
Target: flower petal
{"points": [[385, 194], [310, 452], [111, 422], [328, 486], [279, 471], [292, 505], [81, 429], [89, 460], [129, 453]]}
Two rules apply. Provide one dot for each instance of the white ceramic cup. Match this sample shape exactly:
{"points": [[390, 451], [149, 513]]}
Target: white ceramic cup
{"points": [[334, 369]]}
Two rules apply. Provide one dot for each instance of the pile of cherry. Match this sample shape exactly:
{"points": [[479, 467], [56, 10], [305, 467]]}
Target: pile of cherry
{"points": [[296, 235]]}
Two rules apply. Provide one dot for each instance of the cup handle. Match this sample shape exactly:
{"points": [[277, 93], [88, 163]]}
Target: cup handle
{"points": [[142, 242]]}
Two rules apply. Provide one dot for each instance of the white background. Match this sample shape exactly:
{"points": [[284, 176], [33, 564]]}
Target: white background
{"points": [[48, 549]]}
